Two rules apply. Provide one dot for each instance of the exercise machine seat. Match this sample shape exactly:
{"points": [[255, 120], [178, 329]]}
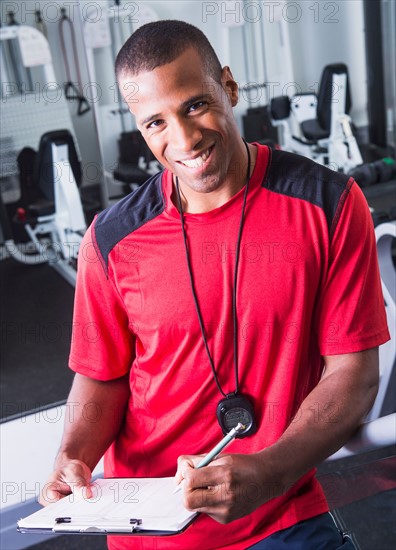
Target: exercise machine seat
{"points": [[313, 131], [32, 202], [44, 175], [129, 173], [319, 128]]}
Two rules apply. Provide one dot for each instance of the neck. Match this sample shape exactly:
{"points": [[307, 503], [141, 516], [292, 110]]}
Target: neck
{"points": [[200, 203]]}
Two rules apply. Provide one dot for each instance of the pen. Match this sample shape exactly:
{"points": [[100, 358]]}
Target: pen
{"points": [[216, 450]]}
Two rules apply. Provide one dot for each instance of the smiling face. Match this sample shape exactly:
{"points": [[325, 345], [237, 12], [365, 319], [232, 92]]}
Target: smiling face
{"points": [[186, 118]]}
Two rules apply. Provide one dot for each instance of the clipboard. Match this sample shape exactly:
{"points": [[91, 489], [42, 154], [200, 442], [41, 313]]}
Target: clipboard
{"points": [[135, 506]]}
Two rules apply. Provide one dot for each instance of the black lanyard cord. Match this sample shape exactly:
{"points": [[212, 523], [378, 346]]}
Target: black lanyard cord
{"points": [[235, 280]]}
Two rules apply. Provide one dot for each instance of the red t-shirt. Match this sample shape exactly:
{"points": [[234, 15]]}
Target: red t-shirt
{"points": [[308, 286]]}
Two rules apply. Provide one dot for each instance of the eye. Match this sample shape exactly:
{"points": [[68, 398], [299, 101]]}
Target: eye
{"points": [[197, 105], [154, 124]]}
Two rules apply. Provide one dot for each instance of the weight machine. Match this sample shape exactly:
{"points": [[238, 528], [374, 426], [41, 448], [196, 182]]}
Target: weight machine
{"points": [[54, 220], [385, 234], [319, 127]]}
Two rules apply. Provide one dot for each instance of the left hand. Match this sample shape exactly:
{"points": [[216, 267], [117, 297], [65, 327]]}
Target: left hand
{"points": [[230, 487]]}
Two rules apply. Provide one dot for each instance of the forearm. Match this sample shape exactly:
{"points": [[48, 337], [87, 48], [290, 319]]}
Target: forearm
{"points": [[94, 414], [327, 418], [226, 489]]}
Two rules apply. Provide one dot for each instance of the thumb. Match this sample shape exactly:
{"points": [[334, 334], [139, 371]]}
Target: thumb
{"points": [[78, 476], [81, 488]]}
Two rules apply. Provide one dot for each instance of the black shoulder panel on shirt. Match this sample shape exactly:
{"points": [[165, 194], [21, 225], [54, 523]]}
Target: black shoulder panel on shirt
{"points": [[297, 176], [116, 222]]}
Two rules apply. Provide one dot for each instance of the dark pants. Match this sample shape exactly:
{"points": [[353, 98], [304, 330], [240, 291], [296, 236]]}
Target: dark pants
{"points": [[318, 533]]}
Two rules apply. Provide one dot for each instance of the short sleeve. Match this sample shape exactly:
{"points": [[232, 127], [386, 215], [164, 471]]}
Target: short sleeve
{"points": [[351, 312], [102, 345]]}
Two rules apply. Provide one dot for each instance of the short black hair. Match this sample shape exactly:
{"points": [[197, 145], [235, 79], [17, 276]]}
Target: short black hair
{"points": [[161, 42]]}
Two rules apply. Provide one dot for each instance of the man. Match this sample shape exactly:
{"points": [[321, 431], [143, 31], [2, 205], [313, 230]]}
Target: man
{"points": [[238, 284]]}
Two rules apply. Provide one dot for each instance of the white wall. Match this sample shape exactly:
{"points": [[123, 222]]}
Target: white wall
{"points": [[332, 32]]}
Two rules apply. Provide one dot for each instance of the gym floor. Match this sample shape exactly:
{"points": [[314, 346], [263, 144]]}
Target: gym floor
{"points": [[36, 317]]}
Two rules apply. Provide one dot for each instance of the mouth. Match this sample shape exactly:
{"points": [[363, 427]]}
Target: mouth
{"points": [[197, 162]]}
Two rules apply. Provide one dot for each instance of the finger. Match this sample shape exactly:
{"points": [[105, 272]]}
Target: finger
{"points": [[204, 499], [53, 491], [76, 470], [78, 476], [184, 464], [208, 476], [81, 490], [79, 485], [74, 477], [209, 489]]}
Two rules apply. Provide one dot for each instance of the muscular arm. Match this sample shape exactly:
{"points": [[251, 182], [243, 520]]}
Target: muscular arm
{"points": [[94, 413], [329, 415], [325, 421]]}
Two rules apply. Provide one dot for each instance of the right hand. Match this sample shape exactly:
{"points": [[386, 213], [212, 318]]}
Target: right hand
{"points": [[73, 476]]}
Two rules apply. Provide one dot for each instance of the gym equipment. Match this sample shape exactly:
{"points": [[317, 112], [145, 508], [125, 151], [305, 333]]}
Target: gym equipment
{"points": [[31, 49], [320, 127], [104, 35], [134, 162], [379, 171], [378, 181], [22, 76], [54, 220], [385, 401], [257, 126], [73, 91], [40, 24], [51, 213], [267, 64]]}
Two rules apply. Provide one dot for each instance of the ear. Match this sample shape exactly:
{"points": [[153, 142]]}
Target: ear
{"points": [[229, 85]]}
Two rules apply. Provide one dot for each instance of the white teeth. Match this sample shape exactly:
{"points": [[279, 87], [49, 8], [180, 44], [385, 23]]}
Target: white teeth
{"points": [[199, 161]]}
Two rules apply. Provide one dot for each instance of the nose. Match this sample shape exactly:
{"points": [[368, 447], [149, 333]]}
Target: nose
{"points": [[185, 135]]}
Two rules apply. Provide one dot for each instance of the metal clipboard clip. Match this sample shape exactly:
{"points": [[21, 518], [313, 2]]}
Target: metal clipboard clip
{"points": [[66, 525]]}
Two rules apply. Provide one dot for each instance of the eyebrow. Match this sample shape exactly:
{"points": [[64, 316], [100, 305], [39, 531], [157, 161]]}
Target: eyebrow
{"points": [[194, 99], [150, 119], [184, 105]]}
